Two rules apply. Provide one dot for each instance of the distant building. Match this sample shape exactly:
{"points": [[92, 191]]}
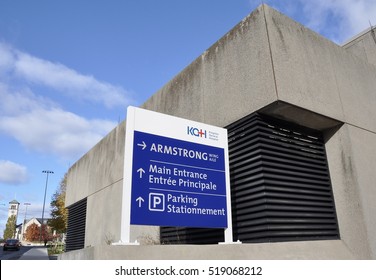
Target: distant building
{"points": [[14, 206], [300, 113], [29, 222]]}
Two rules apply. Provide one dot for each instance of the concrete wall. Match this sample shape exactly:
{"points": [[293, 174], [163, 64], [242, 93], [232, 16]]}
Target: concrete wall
{"points": [[98, 176], [267, 62], [98, 169], [233, 78], [363, 46], [314, 73], [237, 68], [347, 193], [363, 159], [266, 251]]}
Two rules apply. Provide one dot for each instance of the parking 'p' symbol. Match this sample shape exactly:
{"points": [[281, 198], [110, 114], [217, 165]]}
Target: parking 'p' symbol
{"points": [[156, 202]]}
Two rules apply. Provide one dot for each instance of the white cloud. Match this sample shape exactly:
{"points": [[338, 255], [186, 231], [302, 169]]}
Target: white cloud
{"points": [[6, 57], [69, 82], [17, 101], [340, 19], [12, 173], [337, 20], [41, 126], [56, 131]]}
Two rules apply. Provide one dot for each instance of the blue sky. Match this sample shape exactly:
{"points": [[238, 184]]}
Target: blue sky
{"points": [[69, 69]]}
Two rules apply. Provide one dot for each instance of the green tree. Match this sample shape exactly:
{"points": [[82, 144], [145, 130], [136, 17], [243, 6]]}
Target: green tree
{"points": [[59, 214], [10, 228]]}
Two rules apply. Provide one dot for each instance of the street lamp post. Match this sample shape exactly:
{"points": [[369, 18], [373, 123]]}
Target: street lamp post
{"points": [[44, 201], [24, 223], [26, 204]]}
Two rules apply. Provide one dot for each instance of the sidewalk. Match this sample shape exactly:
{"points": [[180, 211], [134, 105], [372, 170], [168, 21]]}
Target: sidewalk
{"points": [[36, 253]]}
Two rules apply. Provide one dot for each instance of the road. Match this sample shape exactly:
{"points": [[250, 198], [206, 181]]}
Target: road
{"points": [[13, 254], [25, 253], [21, 269]]}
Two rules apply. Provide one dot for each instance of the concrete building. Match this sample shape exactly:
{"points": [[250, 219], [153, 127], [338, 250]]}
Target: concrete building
{"points": [[300, 111]]}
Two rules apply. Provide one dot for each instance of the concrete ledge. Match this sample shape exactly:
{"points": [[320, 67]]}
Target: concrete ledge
{"points": [[294, 114], [312, 250]]}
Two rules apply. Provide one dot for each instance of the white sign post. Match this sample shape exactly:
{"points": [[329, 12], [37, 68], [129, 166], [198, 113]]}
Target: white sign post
{"points": [[176, 173]]}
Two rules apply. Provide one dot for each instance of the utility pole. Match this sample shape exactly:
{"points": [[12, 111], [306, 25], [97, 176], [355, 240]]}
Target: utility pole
{"points": [[24, 223], [44, 202]]}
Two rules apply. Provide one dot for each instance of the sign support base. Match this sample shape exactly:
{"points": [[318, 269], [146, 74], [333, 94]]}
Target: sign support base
{"points": [[121, 243], [231, 243]]}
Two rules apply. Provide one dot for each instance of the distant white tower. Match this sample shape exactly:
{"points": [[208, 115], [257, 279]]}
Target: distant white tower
{"points": [[14, 205]]}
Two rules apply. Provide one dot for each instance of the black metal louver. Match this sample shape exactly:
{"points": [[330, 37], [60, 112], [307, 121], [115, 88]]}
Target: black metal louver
{"points": [[280, 186], [183, 235], [280, 183], [76, 226]]}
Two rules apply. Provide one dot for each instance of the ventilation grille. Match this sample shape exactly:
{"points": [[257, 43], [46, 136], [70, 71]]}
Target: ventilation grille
{"points": [[76, 226], [182, 235], [280, 186], [280, 183]]}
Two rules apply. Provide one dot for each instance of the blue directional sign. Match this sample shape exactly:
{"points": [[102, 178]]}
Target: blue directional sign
{"points": [[176, 173], [177, 183]]}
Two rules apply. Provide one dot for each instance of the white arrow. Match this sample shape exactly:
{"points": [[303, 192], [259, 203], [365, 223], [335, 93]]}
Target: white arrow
{"points": [[140, 200], [140, 170], [143, 145]]}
